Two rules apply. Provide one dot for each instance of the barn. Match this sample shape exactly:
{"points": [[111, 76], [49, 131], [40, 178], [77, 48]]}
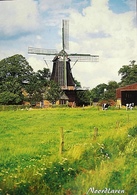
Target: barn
{"points": [[127, 94]]}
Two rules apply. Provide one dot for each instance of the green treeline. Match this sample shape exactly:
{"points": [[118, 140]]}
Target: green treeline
{"points": [[19, 83]]}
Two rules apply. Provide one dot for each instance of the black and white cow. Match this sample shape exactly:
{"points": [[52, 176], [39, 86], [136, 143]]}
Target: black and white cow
{"points": [[105, 106], [130, 106]]}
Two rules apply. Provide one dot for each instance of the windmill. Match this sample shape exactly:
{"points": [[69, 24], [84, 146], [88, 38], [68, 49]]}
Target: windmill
{"points": [[61, 72]]}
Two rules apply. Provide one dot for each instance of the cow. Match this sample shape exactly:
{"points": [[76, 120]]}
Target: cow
{"points": [[105, 106], [130, 106]]}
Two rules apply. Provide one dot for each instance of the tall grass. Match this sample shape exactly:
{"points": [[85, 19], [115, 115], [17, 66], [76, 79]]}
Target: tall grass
{"points": [[30, 161]]}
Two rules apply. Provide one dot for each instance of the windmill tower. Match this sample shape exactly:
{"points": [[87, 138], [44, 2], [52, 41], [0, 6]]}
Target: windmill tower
{"points": [[61, 72]]}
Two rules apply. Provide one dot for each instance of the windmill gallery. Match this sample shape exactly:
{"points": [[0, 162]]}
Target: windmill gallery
{"points": [[61, 72]]}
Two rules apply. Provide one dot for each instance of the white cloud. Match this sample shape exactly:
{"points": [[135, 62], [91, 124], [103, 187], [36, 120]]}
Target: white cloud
{"points": [[36, 63], [18, 17], [132, 4], [101, 31], [100, 5]]}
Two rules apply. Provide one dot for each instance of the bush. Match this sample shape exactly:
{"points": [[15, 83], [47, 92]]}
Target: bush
{"points": [[59, 173], [13, 107], [132, 131], [115, 180]]}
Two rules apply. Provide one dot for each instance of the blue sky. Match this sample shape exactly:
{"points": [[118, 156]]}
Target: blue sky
{"points": [[119, 6], [104, 27]]}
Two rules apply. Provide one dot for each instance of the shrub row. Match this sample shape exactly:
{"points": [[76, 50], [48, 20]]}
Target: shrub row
{"points": [[13, 107]]}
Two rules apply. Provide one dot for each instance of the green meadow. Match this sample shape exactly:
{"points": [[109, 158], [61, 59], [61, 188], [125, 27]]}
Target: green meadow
{"points": [[99, 151]]}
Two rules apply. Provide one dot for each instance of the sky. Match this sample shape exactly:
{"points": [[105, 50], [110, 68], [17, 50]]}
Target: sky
{"points": [[107, 28]]}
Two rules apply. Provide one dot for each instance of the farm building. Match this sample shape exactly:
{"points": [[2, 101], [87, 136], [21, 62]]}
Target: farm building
{"points": [[127, 94]]}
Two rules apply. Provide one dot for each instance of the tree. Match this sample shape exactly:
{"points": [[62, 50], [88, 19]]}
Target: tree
{"points": [[128, 73], [8, 97], [77, 83], [37, 85], [53, 92], [15, 72], [43, 76], [83, 98], [104, 91], [98, 92], [110, 92], [18, 78]]}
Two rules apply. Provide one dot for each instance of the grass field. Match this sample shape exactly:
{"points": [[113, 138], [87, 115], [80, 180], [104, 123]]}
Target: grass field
{"points": [[30, 161]]}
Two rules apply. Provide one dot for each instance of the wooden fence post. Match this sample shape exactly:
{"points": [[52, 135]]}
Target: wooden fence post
{"points": [[61, 148], [95, 132]]}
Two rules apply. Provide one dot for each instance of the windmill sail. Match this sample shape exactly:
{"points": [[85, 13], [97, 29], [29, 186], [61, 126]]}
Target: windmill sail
{"points": [[84, 57], [65, 34], [40, 51]]}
